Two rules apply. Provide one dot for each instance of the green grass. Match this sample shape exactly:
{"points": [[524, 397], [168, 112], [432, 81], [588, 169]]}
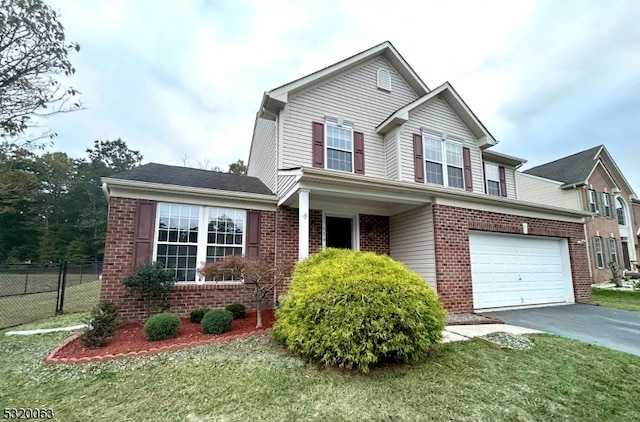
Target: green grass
{"points": [[255, 379], [628, 301], [22, 309]]}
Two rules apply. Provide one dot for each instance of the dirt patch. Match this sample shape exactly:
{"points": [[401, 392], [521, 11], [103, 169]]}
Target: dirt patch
{"points": [[468, 318], [129, 340]]}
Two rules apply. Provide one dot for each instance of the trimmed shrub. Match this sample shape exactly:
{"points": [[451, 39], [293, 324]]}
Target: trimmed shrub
{"points": [[217, 321], [153, 283], [356, 309], [162, 327], [197, 314], [237, 309], [102, 325]]}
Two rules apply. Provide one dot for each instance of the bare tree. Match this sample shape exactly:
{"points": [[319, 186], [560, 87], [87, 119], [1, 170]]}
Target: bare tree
{"points": [[262, 275]]}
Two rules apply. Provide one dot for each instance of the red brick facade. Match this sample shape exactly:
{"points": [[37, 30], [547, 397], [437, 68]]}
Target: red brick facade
{"points": [[453, 261], [279, 243], [374, 234], [606, 227], [118, 262]]}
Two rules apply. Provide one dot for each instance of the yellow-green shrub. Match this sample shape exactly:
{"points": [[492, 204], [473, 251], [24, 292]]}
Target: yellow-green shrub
{"points": [[355, 309]]}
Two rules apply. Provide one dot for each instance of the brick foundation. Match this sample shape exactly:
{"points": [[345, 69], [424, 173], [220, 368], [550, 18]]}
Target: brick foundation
{"points": [[453, 260]]}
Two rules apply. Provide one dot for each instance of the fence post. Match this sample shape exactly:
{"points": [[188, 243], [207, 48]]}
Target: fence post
{"points": [[62, 281], [26, 280]]}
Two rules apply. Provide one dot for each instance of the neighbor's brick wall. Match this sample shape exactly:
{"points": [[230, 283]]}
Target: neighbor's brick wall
{"points": [[451, 227], [605, 227], [374, 234], [118, 262]]}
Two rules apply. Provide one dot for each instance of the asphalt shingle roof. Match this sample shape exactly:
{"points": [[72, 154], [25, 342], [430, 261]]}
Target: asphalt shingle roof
{"points": [[569, 170], [190, 177]]}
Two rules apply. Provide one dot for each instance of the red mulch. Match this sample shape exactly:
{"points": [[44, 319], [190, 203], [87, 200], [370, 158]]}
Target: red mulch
{"points": [[129, 340]]}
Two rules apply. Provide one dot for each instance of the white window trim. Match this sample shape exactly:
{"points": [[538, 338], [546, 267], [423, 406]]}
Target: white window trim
{"points": [[598, 242], [443, 163], [487, 179], [613, 250], [327, 147], [623, 208], [201, 252], [606, 205], [591, 199]]}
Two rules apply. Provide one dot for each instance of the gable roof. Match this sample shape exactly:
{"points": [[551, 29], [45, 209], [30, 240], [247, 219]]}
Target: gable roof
{"points": [[194, 178], [575, 170], [571, 170], [275, 99], [453, 99]]}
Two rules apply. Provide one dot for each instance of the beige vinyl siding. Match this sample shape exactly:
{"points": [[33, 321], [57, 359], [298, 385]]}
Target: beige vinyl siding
{"points": [[391, 155], [437, 115], [509, 173], [263, 155], [411, 242], [352, 95], [547, 192], [285, 183]]}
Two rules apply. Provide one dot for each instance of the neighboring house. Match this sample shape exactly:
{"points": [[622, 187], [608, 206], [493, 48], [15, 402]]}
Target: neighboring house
{"points": [[591, 181], [361, 154]]}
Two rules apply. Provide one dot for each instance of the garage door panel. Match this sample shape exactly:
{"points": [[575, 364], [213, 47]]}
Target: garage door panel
{"points": [[519, 270]]}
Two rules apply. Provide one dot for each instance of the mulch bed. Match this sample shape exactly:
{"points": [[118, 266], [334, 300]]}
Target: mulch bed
{"points": [[130, 341]]}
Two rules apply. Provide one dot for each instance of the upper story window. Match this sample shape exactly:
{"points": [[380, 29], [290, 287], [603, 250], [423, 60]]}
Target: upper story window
{"points": [[440, 155], [187, 236], [591, 199], [492, 173], [620, 211], [384, 79], [339, 145], [606, 204]]}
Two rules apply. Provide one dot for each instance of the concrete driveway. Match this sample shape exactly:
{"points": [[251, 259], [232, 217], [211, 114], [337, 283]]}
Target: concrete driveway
{"points": [[608, 327]]}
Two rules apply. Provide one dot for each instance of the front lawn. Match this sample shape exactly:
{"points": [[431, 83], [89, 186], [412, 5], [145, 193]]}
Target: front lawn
{"points": [[255, 379], [628, 301]]}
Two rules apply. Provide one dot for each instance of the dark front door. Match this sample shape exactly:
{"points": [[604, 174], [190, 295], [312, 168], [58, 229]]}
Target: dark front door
{"points": [[339, 232], [625, 255]]}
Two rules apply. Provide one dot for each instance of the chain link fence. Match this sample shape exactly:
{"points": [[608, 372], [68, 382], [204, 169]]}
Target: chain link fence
{"points": [[29, 292]]}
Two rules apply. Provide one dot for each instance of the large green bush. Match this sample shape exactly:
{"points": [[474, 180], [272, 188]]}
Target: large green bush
{"points": [[162, 327], [217, 321], [355, 309]]}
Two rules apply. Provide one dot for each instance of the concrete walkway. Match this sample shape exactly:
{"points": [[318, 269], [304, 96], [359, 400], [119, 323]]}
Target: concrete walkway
{"points": [[467, 332]]}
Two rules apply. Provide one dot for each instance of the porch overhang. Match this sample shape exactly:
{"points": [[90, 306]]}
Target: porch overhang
{"points": [[390, 197]]}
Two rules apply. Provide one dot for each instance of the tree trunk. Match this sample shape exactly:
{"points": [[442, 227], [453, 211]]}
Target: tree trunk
{"points": [[258, 314]]}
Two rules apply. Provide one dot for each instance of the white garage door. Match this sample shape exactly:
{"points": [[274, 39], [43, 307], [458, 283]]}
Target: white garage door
{"points": [[509, 270]]}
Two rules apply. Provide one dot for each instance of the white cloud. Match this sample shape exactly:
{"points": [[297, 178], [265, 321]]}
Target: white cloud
{"points": [[174, 78]]}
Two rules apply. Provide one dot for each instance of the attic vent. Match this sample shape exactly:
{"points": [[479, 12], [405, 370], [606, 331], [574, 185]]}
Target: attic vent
{"points": [[384, 79]]}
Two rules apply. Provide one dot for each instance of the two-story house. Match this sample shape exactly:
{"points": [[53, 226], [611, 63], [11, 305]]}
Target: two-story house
{"points": [[591, 181], [360, 154]]}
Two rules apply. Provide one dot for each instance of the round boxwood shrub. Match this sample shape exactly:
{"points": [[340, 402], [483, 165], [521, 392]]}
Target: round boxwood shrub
{"points": [[355, 309], [197, 314], [237, 309], [217, 321], [162, 326]]}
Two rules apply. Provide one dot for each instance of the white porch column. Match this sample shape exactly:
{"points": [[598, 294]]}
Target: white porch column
{"points": [[303, 224]]}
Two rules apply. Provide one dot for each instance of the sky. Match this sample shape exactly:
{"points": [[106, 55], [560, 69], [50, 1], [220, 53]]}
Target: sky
{"points": [[181, 81]]}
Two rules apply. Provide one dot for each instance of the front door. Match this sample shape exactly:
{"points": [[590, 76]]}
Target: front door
{"points": [[625, 254], [339, 232]]}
